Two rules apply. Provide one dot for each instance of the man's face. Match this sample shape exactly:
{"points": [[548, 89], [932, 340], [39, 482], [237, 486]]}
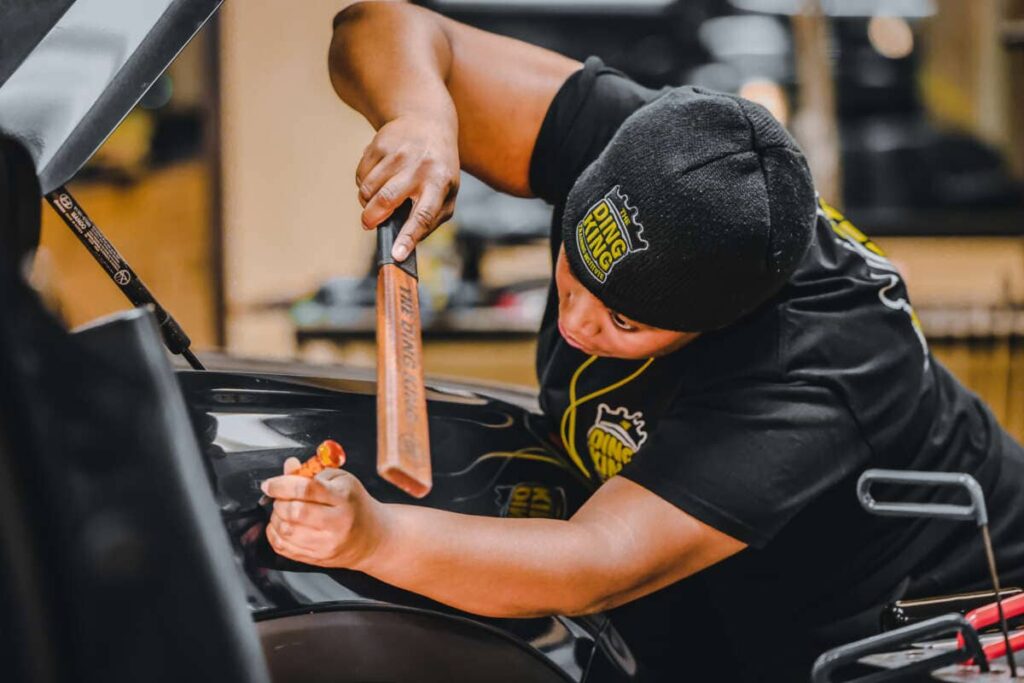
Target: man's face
{"points": [[595, 329]]}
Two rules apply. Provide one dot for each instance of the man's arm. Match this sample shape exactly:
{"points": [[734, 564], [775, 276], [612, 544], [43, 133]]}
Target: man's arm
{"points": [[625, 542], [440, 93]]}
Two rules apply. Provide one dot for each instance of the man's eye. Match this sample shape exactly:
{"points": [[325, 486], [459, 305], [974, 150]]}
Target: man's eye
{"points": [[621, 322]]}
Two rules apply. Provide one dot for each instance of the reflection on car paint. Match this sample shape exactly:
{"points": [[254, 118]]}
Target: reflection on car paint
{"points": [[488, 459]]}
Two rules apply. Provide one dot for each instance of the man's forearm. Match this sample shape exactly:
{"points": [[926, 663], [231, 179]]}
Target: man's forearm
{"points": [[494, 567], [622, 544], [388, 59]]}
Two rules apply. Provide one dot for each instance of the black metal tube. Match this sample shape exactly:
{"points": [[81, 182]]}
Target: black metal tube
{"points": [[119, 271], [191, 359]]}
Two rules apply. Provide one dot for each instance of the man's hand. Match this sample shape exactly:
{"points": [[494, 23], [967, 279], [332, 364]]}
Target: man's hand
{"points": [[330, 520], [442, 96], [411, 157]]}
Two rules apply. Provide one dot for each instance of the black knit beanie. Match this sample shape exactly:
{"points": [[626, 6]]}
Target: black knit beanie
{"points": [[697, 211]]}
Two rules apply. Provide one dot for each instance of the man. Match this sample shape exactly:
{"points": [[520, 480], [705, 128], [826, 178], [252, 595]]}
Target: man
{"points": [[722, 352]]}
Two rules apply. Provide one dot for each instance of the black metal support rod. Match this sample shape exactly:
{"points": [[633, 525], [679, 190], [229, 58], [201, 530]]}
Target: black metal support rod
{"points": [[191, 359], [120, 272], [991, 557]]}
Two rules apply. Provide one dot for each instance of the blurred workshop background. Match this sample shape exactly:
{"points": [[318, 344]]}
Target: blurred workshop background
{"points": [[230, 188]]}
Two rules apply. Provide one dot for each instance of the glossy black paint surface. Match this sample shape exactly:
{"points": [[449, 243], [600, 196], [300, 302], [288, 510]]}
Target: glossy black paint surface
{"points": [[490, 457]]}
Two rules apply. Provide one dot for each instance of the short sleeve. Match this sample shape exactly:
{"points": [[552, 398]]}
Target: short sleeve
{"points": [[584, 115], [747, 460]]}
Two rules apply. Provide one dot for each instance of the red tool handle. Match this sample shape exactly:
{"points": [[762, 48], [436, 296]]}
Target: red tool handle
{"points": [[987, 615]]}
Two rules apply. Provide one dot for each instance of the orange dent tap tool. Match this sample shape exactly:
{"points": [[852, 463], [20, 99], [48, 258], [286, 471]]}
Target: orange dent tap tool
{"points": [[328, 454]]}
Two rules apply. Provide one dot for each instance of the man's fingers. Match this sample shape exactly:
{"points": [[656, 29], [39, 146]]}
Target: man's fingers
{"points": [[370, 183], [371, 157], [291, 464], [283, 545], [303, 538], [292, 487], [421, 222], [300, 513], [388, 198], [332, 473]]}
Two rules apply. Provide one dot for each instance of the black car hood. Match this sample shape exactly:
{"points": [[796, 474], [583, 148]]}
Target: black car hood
{"points": [[71, 70]]}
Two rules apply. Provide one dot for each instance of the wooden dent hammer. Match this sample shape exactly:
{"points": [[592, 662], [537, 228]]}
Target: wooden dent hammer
{"points": [[403, 442]]}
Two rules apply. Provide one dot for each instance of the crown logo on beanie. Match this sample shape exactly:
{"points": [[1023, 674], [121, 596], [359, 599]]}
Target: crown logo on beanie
{"points": [[609, 231]]}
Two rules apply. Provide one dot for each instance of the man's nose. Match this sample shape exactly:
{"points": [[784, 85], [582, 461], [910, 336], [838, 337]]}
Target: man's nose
{"points": [[579, 316]]}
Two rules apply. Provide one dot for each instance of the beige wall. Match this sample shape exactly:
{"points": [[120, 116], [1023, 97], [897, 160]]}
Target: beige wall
{"points": [[960, 271], [138, 219], [966, 69], [290, 149]]}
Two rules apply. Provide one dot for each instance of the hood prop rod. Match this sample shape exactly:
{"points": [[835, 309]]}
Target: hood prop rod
{"points": [[975, 512], [89, 234]]}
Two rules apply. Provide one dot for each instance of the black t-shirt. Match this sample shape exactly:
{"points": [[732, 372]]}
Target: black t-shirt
{"points": [[761, 430]]}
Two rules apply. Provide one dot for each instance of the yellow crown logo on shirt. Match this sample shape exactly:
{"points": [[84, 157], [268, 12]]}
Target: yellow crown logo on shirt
{"points": [[609, 231], [613, 439]]}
